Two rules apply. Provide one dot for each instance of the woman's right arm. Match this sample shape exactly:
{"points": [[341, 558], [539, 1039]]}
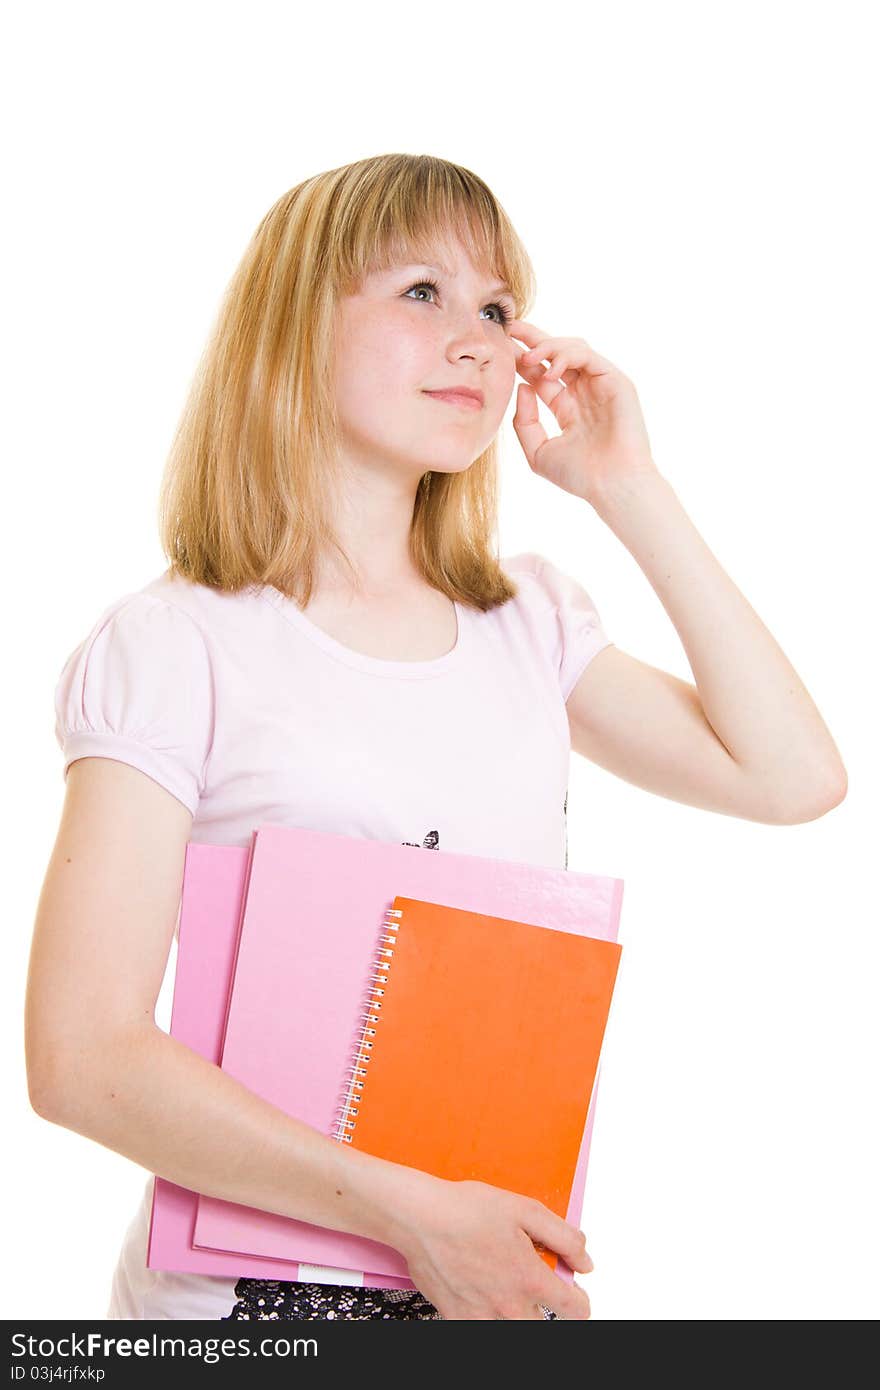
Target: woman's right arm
{"points": [[99, 1064]]}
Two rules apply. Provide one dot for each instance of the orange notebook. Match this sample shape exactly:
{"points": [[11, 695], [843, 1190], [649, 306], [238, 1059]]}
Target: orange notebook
{"points": [[479, 1049]]}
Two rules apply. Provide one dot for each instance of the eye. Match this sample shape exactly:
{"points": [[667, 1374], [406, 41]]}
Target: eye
{"points": [[504, 314]]}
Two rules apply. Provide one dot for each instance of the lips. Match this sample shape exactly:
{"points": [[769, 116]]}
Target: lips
{"points": [[459, 395]]}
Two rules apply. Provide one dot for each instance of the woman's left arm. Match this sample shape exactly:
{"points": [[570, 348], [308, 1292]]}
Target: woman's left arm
{"points": [[747, 739]]}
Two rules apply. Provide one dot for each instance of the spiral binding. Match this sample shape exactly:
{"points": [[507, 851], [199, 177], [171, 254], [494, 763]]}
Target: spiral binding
{"points": [[372, 999]]}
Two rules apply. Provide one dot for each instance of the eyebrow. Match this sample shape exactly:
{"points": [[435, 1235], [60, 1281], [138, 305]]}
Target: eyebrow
{"points": [[444, 270]]}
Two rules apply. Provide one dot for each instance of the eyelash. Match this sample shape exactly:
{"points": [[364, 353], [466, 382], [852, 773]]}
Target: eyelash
{"points": [[505, 313]]}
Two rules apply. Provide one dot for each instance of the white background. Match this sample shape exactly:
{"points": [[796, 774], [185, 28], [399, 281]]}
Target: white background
{"points": [[693, 183]]}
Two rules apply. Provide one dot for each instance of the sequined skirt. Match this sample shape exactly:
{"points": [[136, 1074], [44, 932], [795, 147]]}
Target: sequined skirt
{"points": [[285, 1301]]}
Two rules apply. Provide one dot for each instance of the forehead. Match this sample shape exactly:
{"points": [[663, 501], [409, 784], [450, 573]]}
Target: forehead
{"points": [[448, 260]]}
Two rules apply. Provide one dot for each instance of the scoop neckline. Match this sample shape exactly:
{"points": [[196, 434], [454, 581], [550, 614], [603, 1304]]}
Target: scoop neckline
{"points": [[290, 610]]}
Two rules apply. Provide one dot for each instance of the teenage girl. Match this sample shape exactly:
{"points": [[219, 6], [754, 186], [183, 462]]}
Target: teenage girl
{"points": [[336, 644]]}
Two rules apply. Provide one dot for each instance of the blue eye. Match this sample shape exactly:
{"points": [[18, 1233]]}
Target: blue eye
{"points": [[504, 312]]}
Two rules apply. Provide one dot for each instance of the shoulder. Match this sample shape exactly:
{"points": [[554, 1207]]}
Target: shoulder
{"points": [[140, 621], [139, 687], [144, 652], [225, 619], [560, 613], [527, 570], [197, 603], [527, 563], [542, 582]]}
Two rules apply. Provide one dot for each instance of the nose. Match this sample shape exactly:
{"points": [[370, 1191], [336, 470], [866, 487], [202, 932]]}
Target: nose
{"points": [[474, 344]]}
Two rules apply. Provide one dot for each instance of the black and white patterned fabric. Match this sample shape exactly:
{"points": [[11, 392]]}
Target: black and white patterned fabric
{"points": [[267, 1300]]}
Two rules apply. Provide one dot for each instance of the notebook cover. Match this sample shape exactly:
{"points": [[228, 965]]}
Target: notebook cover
{"points": [[212, 896], [479, 1050], [299, 983]]}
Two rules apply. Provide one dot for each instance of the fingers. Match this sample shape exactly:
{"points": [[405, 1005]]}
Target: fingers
{"points": [[529, 430], [526, 421], [526, 332], [537, 355], [545, 386], [530, 359], [567, 1301], [554, 1233], [531, 1312]]}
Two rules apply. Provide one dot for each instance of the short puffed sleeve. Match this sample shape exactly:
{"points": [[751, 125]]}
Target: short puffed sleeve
{"points": [[139, 689], [570, 626]]}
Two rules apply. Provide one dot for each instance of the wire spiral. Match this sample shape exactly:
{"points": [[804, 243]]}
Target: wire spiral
{"points": [[372, 1002]]}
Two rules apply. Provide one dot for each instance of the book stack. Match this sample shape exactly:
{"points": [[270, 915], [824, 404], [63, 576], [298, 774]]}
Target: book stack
{"points": [[438, 1010]]}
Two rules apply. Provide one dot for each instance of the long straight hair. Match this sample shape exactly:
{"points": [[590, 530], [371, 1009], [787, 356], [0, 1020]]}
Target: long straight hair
{"points": [[245, 498]]}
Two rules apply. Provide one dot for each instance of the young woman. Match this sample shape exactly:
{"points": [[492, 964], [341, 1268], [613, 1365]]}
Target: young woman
{"points": [[336, 644]]}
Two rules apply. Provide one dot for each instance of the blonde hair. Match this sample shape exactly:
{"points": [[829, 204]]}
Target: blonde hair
{"points": [[244, 498]]}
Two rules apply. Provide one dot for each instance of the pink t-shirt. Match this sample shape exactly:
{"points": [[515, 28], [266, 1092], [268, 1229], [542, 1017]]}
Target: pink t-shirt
{"points": [[246, 711]]}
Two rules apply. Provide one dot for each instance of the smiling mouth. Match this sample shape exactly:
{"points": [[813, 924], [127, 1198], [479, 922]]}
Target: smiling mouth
{"points": [[458, 398]]}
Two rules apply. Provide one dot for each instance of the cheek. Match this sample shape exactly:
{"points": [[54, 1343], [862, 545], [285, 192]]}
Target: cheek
{"points": [[510, 355], [390, 354], [504, 377], [379, 374]]}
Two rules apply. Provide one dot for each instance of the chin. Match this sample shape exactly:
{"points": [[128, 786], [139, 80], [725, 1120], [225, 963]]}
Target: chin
{"points": [[444, 466]]}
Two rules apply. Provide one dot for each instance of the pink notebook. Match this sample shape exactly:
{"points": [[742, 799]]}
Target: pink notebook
{"points": [[213, 890], [314, 909], [212, 896]]}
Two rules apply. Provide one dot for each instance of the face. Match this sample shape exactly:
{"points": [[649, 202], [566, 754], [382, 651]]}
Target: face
{"points": [[398, 340]]}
